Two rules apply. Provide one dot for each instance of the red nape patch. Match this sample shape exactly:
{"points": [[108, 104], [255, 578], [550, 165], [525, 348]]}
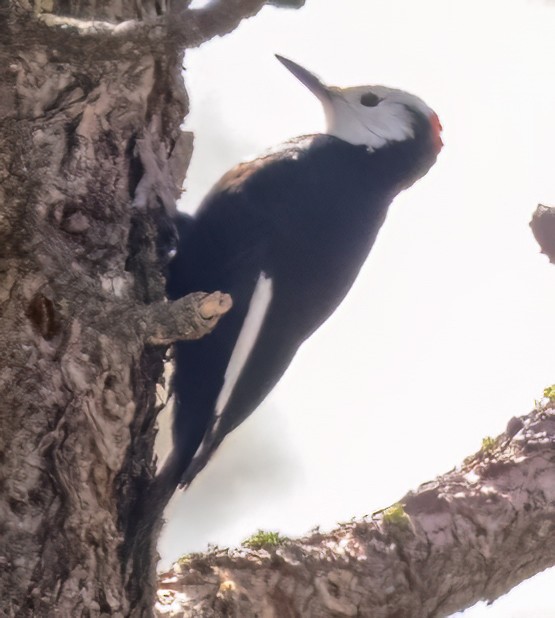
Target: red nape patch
{"points": [[436, 131]]}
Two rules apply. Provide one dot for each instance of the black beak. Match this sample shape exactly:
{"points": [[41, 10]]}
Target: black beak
{"points": [[307, 78]]}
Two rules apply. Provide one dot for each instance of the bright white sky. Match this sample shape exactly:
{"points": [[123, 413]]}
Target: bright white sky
{"points": [[449, 330]]}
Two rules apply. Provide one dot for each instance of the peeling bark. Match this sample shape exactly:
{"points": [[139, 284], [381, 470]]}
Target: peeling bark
{"points": [[469, 535]]}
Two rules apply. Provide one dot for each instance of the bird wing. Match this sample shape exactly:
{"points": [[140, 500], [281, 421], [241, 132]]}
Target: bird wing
{"points": [[225, 252]]}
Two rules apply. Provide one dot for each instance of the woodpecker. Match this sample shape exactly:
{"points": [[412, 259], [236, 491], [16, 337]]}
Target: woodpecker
{"points": [[285, 235]]}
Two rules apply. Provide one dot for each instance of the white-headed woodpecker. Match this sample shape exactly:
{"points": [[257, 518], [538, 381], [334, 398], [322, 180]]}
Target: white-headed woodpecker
{"points": [[286, 235]]}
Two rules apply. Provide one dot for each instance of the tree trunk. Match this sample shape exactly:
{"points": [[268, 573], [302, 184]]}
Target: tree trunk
{"points": [[92, 160]]}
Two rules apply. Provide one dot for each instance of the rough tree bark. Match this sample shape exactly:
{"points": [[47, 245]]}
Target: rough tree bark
{"points": [[91, 161], [469, 535]]}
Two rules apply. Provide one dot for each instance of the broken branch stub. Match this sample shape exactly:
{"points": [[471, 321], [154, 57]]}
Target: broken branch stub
{"points": [[190, 317]]}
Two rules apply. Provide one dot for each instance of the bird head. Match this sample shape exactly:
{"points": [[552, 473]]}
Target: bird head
{"points": [[370, 116]]}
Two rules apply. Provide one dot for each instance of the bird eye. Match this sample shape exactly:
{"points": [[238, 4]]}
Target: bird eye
{"points": [[369, 99]]}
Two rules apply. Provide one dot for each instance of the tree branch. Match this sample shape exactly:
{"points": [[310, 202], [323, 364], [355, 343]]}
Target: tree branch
{"points": [[190, 317], [287, 4], [543, 228], [185, 27], [471, 534], [193, 27]]}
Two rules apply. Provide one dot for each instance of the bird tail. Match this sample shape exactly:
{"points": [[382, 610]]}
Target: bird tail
{"points": [[169, 478]]}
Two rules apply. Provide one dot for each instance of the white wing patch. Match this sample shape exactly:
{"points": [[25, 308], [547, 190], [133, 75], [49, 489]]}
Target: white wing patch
{"points": [[258, 307]]}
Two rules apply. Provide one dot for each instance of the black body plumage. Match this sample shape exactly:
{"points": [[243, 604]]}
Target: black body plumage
{"points": [[305, 217]]}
